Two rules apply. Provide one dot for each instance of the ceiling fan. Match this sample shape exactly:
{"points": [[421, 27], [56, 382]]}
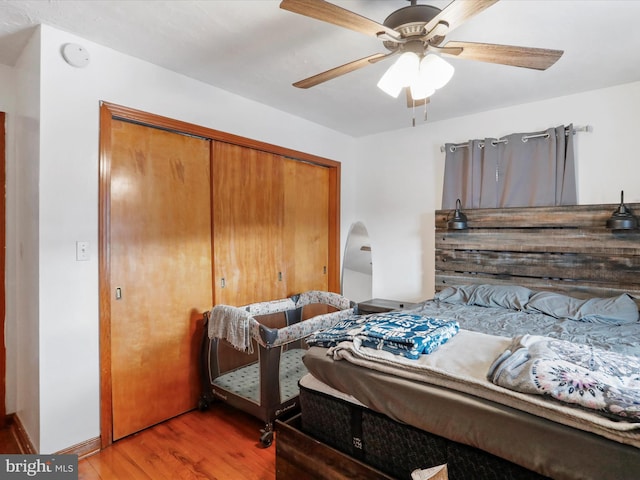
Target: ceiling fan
{"points": [[418, 30]]}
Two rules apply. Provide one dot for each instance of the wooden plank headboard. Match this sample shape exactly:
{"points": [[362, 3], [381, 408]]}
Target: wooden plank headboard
{"points": [[566, 249]]}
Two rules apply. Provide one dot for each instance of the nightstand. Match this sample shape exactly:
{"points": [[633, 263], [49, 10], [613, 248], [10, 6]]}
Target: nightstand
{"points": [[380, 305]]}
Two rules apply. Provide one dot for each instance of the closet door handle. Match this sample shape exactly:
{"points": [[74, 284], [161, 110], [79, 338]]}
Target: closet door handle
{"points": [[279, 276], [118, 293]]}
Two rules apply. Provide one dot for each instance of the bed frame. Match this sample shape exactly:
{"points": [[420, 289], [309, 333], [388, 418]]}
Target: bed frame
{"points": [[565, 249]]}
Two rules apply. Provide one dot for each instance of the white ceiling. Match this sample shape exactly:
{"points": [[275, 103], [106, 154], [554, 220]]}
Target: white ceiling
{"points": [[257, 50]]}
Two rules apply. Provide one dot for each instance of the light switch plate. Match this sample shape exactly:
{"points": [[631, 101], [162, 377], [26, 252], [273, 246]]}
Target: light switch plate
{"points": [[82, 251]]}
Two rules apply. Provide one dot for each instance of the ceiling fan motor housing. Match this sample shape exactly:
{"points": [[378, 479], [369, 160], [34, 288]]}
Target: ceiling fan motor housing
{"points": [[409, 21]]}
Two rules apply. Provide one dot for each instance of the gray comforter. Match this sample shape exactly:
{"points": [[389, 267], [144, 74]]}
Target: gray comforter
{"points": [[623, 339]]}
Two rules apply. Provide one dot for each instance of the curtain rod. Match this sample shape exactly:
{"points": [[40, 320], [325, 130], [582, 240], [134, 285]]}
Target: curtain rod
{"points": [[585, 128]]}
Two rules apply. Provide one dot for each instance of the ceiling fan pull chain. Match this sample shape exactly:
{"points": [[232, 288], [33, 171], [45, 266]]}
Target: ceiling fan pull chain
{"points": [[413, 109]]}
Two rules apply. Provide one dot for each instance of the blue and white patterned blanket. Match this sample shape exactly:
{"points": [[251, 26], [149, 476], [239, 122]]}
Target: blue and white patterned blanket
{"points": [[573, 373], [400, 333]]}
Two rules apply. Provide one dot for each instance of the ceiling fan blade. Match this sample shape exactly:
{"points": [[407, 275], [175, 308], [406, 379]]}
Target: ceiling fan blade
{"points": [[526, 57], [415, 103], [341, 70], [453, 52], [330, 13], [455, 14]]}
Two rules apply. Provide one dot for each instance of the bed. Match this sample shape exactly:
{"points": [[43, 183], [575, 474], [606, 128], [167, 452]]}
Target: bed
{"points": [[519, 283]]}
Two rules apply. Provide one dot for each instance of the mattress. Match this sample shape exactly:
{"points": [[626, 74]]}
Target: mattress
{"points": [[538, 444], [394, 448]]}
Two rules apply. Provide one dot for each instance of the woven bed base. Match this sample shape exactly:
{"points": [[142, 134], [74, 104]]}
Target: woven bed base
{"points": [[397, 449]]}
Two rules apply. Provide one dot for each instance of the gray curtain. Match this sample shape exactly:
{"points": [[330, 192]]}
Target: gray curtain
{"points": [[519, 170]]}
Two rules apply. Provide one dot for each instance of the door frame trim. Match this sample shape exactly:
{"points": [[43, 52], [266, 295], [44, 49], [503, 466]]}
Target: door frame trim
{"points": [[110, 112], [3, 246]]}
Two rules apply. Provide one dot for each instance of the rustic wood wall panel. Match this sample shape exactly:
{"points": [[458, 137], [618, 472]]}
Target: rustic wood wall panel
{"points": [[566, 249]]}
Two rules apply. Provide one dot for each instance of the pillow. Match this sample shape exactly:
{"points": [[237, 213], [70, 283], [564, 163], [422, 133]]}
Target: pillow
{"points": [[618, 310], [512, 297], [457, 295]]}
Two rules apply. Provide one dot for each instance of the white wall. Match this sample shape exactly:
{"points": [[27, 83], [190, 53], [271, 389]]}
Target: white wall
{"points": [[68, 206], [23, 240], [356, 286], [400, 175]]}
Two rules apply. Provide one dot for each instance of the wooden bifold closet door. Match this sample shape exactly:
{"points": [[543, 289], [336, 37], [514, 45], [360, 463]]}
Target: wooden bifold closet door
{"points": [[247, 224], [306, 226], [270, 225], [160, 252]]}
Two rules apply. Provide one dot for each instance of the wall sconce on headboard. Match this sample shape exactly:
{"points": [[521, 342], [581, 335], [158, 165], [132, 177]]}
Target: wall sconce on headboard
{"points": [[459, 220], [622, 218]]}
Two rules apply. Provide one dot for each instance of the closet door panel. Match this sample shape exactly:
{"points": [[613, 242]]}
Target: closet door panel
{"points": [[248, 198], [160, 262], [306, 226]]}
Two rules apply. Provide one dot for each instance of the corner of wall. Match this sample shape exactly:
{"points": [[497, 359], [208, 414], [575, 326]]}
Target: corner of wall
{"points": [[24, 203]]}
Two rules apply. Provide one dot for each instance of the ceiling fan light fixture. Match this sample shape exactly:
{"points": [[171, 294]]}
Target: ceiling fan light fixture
{"points": [[420, 90], [424, 76], [400, 74], [435, 71]]}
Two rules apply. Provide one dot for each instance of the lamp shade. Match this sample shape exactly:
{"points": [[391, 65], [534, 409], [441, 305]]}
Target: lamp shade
{"points": [[400, 74], [424, 76], [435, 72], [420, 91], [459, 219], [622, 218]]}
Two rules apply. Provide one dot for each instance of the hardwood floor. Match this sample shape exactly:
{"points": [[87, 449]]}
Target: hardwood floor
{"points": [[8, 443], [220, 443]]}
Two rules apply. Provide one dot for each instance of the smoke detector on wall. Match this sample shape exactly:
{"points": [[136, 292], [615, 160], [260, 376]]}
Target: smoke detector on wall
{"points": [[75, 55]]}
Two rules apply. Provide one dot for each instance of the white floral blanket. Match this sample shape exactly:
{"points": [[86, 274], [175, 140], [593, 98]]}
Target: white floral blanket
{"points": [[570, 372]]}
